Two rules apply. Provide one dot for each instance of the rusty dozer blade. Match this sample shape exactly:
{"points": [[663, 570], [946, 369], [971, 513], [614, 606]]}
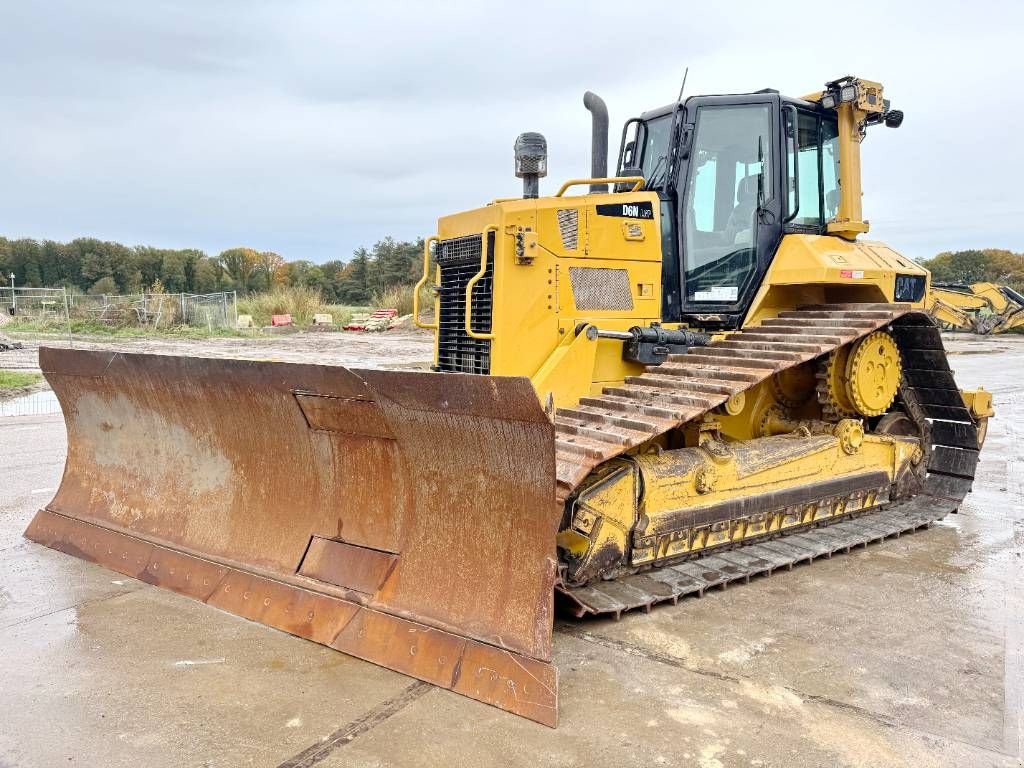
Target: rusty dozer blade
{"points": [[405, 518]]}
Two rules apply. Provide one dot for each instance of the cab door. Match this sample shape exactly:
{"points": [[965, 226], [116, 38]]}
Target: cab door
{"points": [[730, 203]]}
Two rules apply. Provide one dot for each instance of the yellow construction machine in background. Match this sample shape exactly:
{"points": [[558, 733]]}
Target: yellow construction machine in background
{"points": [[693, 373], [981, 308]]}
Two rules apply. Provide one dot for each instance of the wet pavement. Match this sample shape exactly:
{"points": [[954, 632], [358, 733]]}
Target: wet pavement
{"points": [[908, 653]]}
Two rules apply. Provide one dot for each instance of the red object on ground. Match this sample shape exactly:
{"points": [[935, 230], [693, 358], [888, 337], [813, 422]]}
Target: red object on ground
{"points": [[280, 320], [377, 314]]}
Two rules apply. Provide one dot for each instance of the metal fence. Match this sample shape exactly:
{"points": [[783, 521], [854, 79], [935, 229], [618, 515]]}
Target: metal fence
{"points": [[49, 305], [46, 308], [56, 315], [158, 310], [55, 308]]}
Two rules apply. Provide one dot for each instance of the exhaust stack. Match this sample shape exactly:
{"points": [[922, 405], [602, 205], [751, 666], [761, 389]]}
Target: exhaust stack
{"points": [[598, 139]]}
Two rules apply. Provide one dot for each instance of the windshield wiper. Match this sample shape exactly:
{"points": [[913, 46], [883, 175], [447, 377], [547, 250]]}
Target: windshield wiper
{"points": [[654, 179]]}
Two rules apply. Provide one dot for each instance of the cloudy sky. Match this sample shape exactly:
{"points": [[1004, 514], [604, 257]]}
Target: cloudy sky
{"points": [[313, 127]]}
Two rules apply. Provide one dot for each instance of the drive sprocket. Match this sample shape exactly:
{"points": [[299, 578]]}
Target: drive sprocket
{"points": [[873, 373], [831, 389]]}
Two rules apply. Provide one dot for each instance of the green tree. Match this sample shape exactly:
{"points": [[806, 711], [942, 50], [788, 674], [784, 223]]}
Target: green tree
{"points": [[987, 265], [24, 258], [96, 265], [241, 264], [958, 267], [5, 259], [273, 267], [354, 285], [332, 271], [394, 262], [105, 285], [172, 271], [208, 275]]}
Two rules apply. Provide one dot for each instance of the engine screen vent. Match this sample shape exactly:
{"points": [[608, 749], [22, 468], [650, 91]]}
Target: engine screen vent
{"points": [[569, 226], [599, 288]]}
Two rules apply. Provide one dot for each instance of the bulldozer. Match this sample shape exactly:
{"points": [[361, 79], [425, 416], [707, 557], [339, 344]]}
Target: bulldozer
{"points": [[982, 308], [690, 373]]}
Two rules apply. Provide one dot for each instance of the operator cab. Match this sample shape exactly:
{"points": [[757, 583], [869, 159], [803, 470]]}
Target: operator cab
{"points": [[723, 167]]}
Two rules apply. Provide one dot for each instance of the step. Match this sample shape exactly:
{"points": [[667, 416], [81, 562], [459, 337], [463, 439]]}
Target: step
{"points": [[856, 326], [626, 405], [684, 384], [788, 346], [654, 395], [821, 340], [750, 354], [568, 428], [747, 363], [701, 371], [592, 415]]}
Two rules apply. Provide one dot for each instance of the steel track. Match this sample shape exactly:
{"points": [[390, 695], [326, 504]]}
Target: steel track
{"points": [[687, 386]]}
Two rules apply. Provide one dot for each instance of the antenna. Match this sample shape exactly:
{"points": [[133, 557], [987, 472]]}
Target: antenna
{"points": [[673, 151], [682, 87]]}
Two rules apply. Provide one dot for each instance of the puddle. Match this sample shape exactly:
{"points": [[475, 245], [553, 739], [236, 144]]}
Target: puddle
{"points": [[35, 404]]}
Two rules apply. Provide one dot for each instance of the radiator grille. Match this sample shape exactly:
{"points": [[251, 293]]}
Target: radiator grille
{"points": [[596, 288], [459, 260]]}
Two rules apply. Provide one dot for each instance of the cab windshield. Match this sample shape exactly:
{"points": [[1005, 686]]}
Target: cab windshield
{"points": [[654, 152], [728, 180]]}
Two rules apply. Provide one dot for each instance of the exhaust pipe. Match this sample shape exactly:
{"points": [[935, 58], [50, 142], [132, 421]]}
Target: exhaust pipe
{"points": [[598, 139]]}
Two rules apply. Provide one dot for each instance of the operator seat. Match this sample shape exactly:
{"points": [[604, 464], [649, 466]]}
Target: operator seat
{"points": [[741, 220]]}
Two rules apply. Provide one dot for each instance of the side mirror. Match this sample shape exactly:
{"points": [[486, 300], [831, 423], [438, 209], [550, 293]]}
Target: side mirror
{"points": [[627, 154]]}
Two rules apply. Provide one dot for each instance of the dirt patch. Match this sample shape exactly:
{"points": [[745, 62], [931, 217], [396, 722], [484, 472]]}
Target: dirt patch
{"points": [[409, 349]]}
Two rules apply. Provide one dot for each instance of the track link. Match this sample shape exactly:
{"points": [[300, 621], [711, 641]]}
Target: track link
{"points": [[928, 392]]}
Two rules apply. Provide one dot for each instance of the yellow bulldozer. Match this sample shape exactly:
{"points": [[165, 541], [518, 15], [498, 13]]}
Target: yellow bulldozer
{"points": [[693, 373], [982, 308]]}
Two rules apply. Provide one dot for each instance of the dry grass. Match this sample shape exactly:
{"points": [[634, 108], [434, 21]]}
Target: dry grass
{"points": [[299, 302], [400, 297]]}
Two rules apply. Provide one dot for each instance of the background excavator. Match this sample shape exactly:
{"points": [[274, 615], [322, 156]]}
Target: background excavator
{"points": [[981, 308], [692, 374]]}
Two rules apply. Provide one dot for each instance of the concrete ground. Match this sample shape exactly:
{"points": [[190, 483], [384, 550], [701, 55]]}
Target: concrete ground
{"points": [[909, 653]]}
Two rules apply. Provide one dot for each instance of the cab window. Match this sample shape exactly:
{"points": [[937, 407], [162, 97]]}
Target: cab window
{"points": [[815, 147], [728, 181], [654, 153]]}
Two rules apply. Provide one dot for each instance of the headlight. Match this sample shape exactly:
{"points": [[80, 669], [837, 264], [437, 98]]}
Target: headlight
{"points": [[848, 93], [828, 101]]}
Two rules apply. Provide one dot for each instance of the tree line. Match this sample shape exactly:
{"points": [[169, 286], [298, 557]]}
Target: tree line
{"points": [[89, 265], [96, 266], [988, 265]]}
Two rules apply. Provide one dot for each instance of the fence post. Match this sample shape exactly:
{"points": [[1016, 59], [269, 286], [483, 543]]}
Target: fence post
{"points": [[67, 317], [234, 301]]}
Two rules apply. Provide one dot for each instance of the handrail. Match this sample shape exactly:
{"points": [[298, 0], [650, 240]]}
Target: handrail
{"points": [[795, 117], [638, 182], [474, 280], [421, 283]]}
